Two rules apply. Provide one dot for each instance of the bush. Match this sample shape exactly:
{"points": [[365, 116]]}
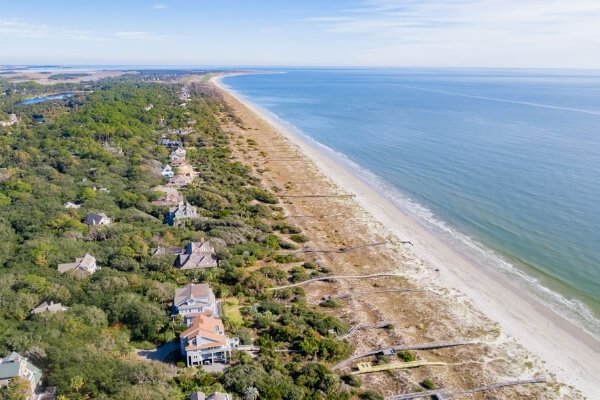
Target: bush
{"points": [[406, 355], [351, 380], [286, 228], [428, 384], [284, 258], [370, 395], [309, 265], [298, 238], [264, 196], [286, 245], [331, 303]]}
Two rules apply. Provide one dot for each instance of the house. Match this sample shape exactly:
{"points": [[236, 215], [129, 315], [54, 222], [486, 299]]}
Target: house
{"points": [[197, 255], [214, 396], [82, 266], [178, 154], [181, 180], [205, 342], [171, 196], [193, 300], [15, 365], [162, 251], [97, 219], [69, 204], [170, 144], [12, 119], [168, 200], [50, 308], [178, 163], [182, 131], [180, 212], [167, 171]]}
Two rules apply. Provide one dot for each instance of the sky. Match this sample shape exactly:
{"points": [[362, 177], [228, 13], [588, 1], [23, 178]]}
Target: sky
{"points": [[429, 33]]}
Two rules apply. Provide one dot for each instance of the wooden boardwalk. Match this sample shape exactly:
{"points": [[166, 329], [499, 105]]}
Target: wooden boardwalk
{"points": [[367, 368], [420, 346], [447, 393], [334, 277]]}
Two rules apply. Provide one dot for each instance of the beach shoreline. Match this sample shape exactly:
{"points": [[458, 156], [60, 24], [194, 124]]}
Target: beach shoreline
{"points": [[568, 351]]}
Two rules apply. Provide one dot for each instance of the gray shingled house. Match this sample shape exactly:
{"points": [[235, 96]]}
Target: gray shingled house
{"points": [[197, 255]]}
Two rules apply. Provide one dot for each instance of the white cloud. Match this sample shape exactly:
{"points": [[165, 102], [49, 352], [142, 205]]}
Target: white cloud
{"points": [[17, 27], [160, 7], [484, 32]]}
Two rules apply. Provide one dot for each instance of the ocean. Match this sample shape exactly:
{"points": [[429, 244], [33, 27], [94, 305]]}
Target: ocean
{"points": [[503, 164]]}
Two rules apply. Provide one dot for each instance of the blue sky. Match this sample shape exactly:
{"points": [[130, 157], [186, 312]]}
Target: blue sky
{"points": [[479, 33]]}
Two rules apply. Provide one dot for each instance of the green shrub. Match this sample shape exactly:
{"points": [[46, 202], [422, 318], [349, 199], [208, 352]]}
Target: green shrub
{"points": [[299, 238], [287, 245], [331, 303], [371, 395], [351, 380], [286, 228], [428, 384], [264, 196], [309, 265], [406, 355]]}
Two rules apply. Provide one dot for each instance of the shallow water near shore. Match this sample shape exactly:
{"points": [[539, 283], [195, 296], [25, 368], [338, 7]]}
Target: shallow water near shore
{"points": [[502, 164]]}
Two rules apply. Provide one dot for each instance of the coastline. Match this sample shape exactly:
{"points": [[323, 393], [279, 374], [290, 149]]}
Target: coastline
{"points": [[568, 351]]}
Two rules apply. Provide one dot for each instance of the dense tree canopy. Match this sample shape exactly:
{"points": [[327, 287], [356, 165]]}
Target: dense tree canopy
{"points": [[100, 149]]}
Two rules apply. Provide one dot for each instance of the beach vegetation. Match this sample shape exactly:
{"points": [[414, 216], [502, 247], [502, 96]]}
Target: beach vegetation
{"points": [[299, 238], [428, 384]]}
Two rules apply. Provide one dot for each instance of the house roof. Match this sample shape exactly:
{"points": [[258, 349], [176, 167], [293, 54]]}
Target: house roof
{"points": [[159, 251], [181, 180], [183, 209], [193, 291], [219, 396], [214, 396], [197, 260], [14, 365], [197, 255], [51, 307], [94, 219], [202, 246], [208, 328], [86, 263]]}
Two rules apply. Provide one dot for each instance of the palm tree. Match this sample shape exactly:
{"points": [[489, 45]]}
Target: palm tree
{"points": [[250, 393]]}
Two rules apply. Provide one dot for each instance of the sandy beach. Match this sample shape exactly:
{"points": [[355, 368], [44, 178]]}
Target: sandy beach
{"points": [[467, 300]]}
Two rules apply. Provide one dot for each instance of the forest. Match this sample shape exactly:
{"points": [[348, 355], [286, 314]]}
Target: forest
{"points": [[99, 149]]}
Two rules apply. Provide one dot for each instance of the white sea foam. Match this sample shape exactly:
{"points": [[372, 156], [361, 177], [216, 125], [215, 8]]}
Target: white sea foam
{"points": [[573, 310]]}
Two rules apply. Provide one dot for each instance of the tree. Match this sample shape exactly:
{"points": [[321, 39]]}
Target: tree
{"points": [[18, 389], [250, 393], [77, 383]]}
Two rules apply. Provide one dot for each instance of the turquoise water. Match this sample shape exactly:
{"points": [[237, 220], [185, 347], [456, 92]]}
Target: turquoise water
{"points": [[500, 160]]}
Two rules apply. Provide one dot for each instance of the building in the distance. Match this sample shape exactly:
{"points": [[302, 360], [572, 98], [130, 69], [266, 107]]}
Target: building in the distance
{"points": [[205, 342], [167, 171], [214, 396], [82, 266], [51, 307], [16, 366], [182, 211], [197, 255], [94, 219], [195, 299]]}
